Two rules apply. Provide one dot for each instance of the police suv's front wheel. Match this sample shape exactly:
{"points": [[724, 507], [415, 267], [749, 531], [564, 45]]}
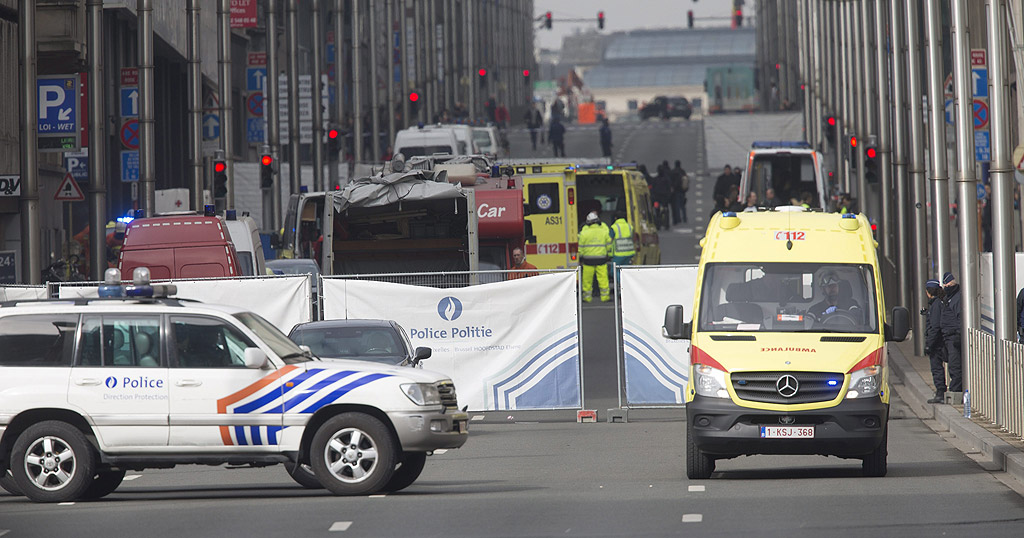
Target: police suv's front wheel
{"points": [[353, 454], [407, 472], [53, 462]]}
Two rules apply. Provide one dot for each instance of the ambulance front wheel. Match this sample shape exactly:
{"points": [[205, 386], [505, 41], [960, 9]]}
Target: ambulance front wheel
{"points": [[699, 465], [875, 462]]}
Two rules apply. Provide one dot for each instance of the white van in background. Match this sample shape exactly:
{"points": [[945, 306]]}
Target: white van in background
{"points": [[248, 246], [486, 139], [426, 141], [464, 134]]}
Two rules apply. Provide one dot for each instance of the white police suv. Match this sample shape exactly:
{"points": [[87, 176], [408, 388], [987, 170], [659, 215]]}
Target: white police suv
{"points": [[92, 388]]}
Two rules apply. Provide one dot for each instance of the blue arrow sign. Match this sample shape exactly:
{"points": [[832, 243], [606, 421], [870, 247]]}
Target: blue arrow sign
{"points": [[950, 111], [255, 79], [58, 105], [979, 81], [129, 102], [211, 127]]}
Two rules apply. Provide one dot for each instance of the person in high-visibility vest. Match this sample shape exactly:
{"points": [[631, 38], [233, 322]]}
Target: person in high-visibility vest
{"points": [[623, 248], [595, 244]]}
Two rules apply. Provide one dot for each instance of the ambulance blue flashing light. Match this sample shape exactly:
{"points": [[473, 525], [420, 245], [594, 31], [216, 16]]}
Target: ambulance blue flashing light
{"points": [[849, 216], [609, 167], [209, 210], [495, 170], [728, 214], [832, 382], [125, 219]]}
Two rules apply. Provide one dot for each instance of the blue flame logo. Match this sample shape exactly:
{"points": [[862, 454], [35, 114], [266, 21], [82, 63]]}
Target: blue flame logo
{"points": [[111, 382], [449, 308]]}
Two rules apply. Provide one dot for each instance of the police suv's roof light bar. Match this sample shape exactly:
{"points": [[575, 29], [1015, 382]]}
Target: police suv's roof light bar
{"points": [[795, 144]]}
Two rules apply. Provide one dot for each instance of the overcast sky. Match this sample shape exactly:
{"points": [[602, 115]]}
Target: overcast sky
{"points": [[620, 15]]}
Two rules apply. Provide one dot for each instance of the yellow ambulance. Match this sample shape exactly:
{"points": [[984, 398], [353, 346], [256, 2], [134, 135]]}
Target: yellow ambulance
{"points": [[559, 196], [787, 340]]}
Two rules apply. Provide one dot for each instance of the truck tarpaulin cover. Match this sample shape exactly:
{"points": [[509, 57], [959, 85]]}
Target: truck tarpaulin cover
{"points": [[506, 345], [388, 189]]}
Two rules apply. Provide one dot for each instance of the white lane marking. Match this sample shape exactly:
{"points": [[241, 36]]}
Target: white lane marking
{"points": [[379, 496], [700, 219], [692, 518], [66, 504], [683, 230], [340, 526], [441, 451], [696, 488], [132, 476], [477, 417]]}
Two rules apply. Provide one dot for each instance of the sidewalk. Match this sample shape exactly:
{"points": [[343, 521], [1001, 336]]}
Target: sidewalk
{"points": [[978, 439]]}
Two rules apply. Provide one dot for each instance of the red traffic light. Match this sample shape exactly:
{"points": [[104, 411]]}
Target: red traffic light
{"points": [[832, 121], [266, 160], [413, 96], [333, 133], [526, 72], [220, 166], [853, 141], [482, 72], [870, 153]]}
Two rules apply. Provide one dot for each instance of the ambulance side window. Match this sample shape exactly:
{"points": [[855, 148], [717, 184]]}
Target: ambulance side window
{"points": [[544, 198]]}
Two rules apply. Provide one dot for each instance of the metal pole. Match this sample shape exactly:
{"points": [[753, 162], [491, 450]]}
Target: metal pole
{"points": [[339, 74], [885, 120], [403, 28], [374, 93], [803, 72], [271, 109], [937, 128], [899, 154], [357, 81], [318, 108], [449, 55], [195, 106], [97, 145], [1001, 177], [844, 87], [147, 141], [430, 65], [294, 161], [917, 165], [389, 73], [869, 99], [470, 31], [966, 180], [859, 98]]}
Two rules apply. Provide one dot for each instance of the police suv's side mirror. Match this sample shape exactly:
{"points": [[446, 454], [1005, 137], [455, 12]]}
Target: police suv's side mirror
{"points": [[897, 332], [255, 358], [422, 353], [674, 327]]}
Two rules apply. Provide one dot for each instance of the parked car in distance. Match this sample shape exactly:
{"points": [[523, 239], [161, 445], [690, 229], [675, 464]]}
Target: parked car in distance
{"points": [[666, 107], [373, 340]]}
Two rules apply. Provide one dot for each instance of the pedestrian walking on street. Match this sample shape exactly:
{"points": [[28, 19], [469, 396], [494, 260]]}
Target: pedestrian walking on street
{"points": [[556, 135], [680, 184], [606, 138], [534, 121], [595, 246], [933, 344], [950, 324]]}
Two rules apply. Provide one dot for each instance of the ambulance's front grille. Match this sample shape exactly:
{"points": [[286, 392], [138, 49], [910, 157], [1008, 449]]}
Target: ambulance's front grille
{"points": [[787, 387]]}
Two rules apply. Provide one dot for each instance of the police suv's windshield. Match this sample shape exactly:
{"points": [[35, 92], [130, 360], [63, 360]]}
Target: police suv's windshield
{"points": [[788, 297], [380, 344], [285, 348]]}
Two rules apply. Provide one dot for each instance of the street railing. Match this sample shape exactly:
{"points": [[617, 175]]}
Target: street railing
{"points": [[454, 279], [983, 357]]}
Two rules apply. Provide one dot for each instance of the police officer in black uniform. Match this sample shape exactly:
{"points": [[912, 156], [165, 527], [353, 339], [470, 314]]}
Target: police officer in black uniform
{"points": [[950, 324], [933, 344]]}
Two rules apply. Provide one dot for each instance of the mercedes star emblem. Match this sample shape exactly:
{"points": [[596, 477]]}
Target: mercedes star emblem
{"points": [[787, 386]]}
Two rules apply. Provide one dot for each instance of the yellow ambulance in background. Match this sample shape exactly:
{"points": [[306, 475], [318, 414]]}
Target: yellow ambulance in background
{"points": [[559, 196], [788, 340]]}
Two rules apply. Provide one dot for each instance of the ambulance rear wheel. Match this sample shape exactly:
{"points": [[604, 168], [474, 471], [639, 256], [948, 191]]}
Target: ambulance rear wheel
{"points": [[699, 465], [875, 462]]}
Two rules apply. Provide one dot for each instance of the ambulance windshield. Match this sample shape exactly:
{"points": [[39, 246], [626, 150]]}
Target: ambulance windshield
{"points": [[788, 297]]}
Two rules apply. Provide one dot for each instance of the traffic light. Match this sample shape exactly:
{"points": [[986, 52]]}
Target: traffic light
{"points": [[830, 130], [870, 163], [851, 147], [333, 143], [220, 178], [526, 75], [266, 171], [737, 18], [414, 104], [689, 19], [547, 20], [482, 76], [600, 20]]}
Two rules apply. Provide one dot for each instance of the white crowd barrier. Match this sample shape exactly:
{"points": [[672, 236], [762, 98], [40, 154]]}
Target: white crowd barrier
{"points": [[22, 293], [282, 300], [654, 370], [506, 345]]}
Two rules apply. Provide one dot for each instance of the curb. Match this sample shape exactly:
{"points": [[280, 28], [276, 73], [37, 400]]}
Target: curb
{"points": [[994, 454]]}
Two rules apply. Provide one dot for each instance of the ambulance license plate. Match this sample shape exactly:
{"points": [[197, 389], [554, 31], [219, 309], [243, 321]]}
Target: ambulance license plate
{"points": [[787, 432]]}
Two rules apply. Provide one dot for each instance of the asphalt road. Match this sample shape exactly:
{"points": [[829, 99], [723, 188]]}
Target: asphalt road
{"points": [[542, 474]]}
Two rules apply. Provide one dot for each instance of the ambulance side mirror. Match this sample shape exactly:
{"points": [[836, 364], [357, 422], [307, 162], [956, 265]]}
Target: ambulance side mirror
{"points": [[528, 235], [674, 327], [897, 331]]}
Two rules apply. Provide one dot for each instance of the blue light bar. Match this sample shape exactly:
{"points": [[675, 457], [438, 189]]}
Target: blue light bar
{"points": [[729, 214], [832, 382], [849, 216], [795, 144]]}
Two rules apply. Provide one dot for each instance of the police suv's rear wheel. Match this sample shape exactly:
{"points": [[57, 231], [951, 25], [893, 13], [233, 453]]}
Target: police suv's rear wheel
{"points": [[103, 484], [699, 465], [407, 472], [7, 482], [875, 464], [353, 454], [303, 474], [53, 462]]}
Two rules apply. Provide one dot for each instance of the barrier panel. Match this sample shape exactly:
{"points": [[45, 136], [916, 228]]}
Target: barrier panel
{"points": [[284, 300], [654, 370], [981, 372], [507, 345], [22, 293], [1013, 388]]}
